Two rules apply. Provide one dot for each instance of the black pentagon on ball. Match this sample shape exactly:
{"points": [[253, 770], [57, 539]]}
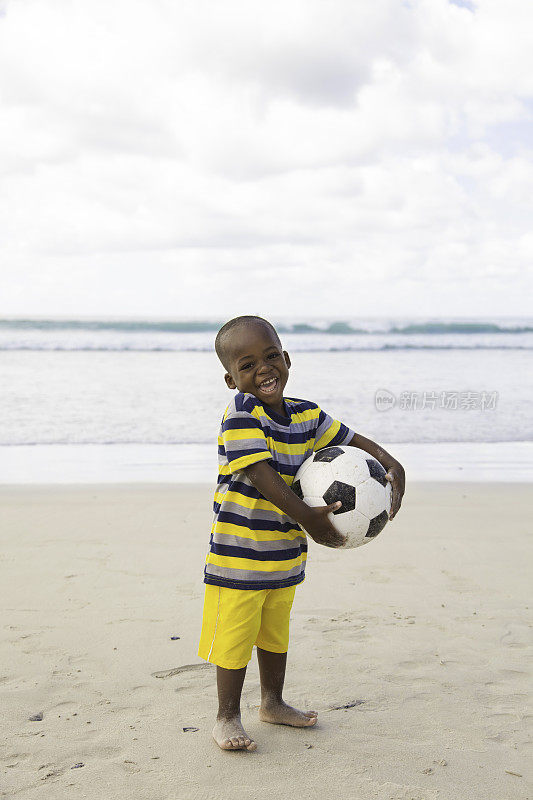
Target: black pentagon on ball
{"points": [[376, 525], [297, 489], [376, 471], [343, 492], [328, 454]]}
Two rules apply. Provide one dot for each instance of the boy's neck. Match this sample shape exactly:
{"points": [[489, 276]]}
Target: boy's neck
{"points": [[279, 409]]}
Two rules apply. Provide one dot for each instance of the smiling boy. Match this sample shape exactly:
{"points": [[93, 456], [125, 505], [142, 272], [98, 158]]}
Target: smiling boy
{"points": [[257, 549]]}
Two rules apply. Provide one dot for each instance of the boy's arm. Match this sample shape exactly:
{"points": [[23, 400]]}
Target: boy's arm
{"points": [[375, 450], [313, 519], [395, 471]]}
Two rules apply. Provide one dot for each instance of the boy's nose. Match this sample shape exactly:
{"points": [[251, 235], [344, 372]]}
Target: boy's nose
{"points": [[264, 368]]}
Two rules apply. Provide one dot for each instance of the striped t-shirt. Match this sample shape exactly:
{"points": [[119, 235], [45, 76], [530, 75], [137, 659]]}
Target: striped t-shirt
{"points": [[253, 544]]}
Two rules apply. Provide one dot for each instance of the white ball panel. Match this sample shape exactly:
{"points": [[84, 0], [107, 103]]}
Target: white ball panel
{"points": [[357, 451], [302, 469], [350, 467], [371, 498], [353, 525], [315, 501], [316, 481]]}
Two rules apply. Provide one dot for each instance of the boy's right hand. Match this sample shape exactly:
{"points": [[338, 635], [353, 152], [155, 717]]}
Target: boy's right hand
{"points": [[319, 527]]}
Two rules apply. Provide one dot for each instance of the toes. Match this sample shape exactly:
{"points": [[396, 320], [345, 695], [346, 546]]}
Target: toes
{"points": [[238, 743], [312, 721]]}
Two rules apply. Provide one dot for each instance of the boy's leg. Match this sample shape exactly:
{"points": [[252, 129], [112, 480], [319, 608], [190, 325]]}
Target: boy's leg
{"points": [[228, 731], [273, 708], [272, 643], [231, 620]]}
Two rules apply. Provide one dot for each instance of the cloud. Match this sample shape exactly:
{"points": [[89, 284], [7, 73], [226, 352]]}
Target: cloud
{"points": [[166, 147]]}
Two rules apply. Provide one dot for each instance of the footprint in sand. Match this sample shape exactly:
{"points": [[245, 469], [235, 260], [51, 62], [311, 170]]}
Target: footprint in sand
{"points": [[516, 635], [168, 673]]}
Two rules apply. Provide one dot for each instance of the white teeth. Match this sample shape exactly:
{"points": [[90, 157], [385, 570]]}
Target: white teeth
{"points": [[270, 384]]}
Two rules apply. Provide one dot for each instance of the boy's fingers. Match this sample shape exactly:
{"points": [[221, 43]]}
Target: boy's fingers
{"points": [[392, 505], [395, 507]]}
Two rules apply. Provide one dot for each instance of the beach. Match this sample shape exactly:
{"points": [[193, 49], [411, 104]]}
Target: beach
{"points": [[413, 649], [358, 178]]}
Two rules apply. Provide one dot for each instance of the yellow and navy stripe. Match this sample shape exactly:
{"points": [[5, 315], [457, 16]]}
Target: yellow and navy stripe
{"points": [[253, 544]]}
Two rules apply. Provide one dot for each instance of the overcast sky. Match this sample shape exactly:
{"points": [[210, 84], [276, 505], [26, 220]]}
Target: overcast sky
{"points": [[184, 158]]}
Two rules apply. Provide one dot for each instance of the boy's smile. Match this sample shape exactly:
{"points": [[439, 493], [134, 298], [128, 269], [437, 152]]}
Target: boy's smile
{"points": [[259, 365]]}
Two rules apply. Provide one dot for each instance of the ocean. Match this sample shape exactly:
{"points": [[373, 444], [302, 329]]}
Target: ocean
{"points": [[141, 400]]}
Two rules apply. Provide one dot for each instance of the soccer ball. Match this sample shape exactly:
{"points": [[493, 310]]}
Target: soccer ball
{"points": [[357, 480]]}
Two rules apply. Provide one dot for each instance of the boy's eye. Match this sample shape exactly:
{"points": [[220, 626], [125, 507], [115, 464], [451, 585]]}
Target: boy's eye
{"points": [[249, 364]]}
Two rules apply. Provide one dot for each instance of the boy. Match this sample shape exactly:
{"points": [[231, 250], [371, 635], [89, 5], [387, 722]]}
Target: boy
{"points": [[257, 550]]}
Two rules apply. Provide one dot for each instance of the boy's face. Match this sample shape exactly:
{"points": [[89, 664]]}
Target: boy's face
{"points": [[256, 357]]}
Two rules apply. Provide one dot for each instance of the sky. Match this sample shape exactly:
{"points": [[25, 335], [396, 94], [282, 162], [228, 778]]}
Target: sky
{"points": [[194, 159]]}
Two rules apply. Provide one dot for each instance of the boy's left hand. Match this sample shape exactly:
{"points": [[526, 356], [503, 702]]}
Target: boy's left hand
{"points": [[396, 475]]}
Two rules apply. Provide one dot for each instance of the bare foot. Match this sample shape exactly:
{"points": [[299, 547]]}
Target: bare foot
{"points": [[230, 735], [282, 714]]}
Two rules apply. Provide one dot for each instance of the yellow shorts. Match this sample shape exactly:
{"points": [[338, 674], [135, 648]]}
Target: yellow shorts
{"points": [[236, 619]]}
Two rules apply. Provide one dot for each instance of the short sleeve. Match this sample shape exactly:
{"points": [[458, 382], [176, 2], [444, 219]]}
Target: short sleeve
{"points": [[331, 432], [243, 440]]}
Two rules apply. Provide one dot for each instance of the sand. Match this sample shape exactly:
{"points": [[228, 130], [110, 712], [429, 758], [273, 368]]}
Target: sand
{"points": [[421, 635]]}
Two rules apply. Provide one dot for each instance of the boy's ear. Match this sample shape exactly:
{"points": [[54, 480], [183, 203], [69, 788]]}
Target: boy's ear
{"points": [[287, 358], [229, 381]]}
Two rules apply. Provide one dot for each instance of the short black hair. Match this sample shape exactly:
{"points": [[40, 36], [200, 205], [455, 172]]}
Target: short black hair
{"points": [[223, 337]]}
